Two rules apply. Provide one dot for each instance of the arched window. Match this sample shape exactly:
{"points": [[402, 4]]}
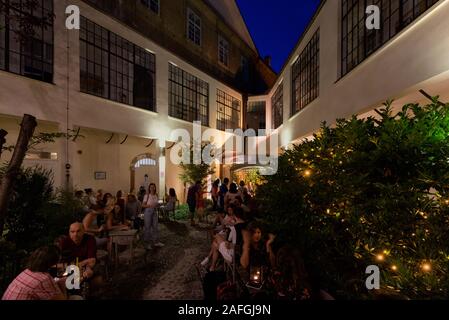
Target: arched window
{"points": [[145, 163]]}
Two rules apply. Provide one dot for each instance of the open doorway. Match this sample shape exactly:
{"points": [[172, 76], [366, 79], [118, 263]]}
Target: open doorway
{"points": [[144, 170]]}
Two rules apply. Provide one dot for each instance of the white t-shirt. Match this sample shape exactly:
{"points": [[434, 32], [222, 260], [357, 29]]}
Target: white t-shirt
{"points": [[151, 200]]}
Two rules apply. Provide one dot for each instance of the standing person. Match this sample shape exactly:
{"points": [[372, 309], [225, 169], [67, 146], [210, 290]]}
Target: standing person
{"points": [[150, 204], [223, 191], [231, 196], [192, 197], [200, 203], [214, 193], [242, 188], [141, 195]]}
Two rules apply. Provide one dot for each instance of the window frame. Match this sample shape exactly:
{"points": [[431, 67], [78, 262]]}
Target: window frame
{"points": [[190, 90], [357, 43], [117, 60], [226, 50], [195, 27], [148, 4], [277, 103], [305, 75], [43, 39], [225, 117]]}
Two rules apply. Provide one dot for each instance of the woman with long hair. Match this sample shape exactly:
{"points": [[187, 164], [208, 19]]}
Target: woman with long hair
{"points": [[150, 204], [255, 251]]}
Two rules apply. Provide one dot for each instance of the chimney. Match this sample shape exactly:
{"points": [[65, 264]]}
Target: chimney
{"points": [[267, 60]]}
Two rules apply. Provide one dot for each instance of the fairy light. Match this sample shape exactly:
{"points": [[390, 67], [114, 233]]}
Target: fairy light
{"points": [[307, 173], [426, 267], [394, 268], [380, 257]]}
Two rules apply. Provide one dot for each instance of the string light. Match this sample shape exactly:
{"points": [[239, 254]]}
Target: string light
{"points": [[380, 257], [307, 173], [426, 267], [394, 268]]}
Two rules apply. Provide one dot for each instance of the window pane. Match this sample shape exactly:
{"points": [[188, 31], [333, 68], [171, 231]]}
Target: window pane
{"points": [[358, 42], [116, 68], [189, 96], [305, 75], [228, 111]]}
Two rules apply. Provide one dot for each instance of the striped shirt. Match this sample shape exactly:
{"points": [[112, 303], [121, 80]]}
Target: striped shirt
{"points": [[32, 286]]}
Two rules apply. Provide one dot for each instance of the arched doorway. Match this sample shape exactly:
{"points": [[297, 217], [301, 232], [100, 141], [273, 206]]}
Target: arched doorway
{"points": [[143, 170]]}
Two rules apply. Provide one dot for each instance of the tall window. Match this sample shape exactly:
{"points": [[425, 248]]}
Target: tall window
{"points": [[189, 96], [358, 42], [277, 106], [153, 5], [114, 68], [256, 115], [30, 56], [306, 75], [228, 111], [244, 69], [193, 27], [223, 51]]}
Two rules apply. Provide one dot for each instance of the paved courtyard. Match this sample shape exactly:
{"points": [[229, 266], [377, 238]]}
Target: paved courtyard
{"points": [[168, 273]]}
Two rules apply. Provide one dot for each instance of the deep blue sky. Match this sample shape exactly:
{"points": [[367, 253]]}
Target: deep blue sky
{"points": [[276, 26]]}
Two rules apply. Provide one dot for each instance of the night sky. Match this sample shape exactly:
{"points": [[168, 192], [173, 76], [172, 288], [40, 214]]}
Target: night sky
{"points": [[276, 26]]}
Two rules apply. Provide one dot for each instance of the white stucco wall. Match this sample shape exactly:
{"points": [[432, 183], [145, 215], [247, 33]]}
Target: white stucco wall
{"points": [[417, 58], [48, 102]]}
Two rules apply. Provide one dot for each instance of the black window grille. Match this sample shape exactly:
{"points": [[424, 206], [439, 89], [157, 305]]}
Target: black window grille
{"points": [[306, 75], [189, 96], [114, 68]]}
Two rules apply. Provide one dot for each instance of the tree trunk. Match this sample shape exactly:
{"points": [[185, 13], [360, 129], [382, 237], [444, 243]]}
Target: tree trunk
{"points": [[26, 133], [3, 134]]}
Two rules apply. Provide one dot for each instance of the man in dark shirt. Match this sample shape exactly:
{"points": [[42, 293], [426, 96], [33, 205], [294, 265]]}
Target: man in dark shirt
{"points": [[192, 197], [80, 248], [223, 191]]}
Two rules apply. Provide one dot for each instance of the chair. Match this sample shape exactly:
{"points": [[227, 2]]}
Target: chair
{"points": [[103, 259]]}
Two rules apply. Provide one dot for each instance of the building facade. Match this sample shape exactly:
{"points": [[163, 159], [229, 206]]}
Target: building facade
{"points": [[134, 72], [339, 68]]}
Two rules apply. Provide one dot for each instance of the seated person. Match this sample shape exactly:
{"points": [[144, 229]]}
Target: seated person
{"points": [[133, 209], [256, 253], [91, 227], [226, 246], [172, 200], [35, 282], [80, 247], [113, 218], [221, 221], [290, 279], [239, 203]]}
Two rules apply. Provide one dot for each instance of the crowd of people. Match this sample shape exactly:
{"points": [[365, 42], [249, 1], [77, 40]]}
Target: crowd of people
{"points": [[99, 215], [238, 240], [261, 268]]}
